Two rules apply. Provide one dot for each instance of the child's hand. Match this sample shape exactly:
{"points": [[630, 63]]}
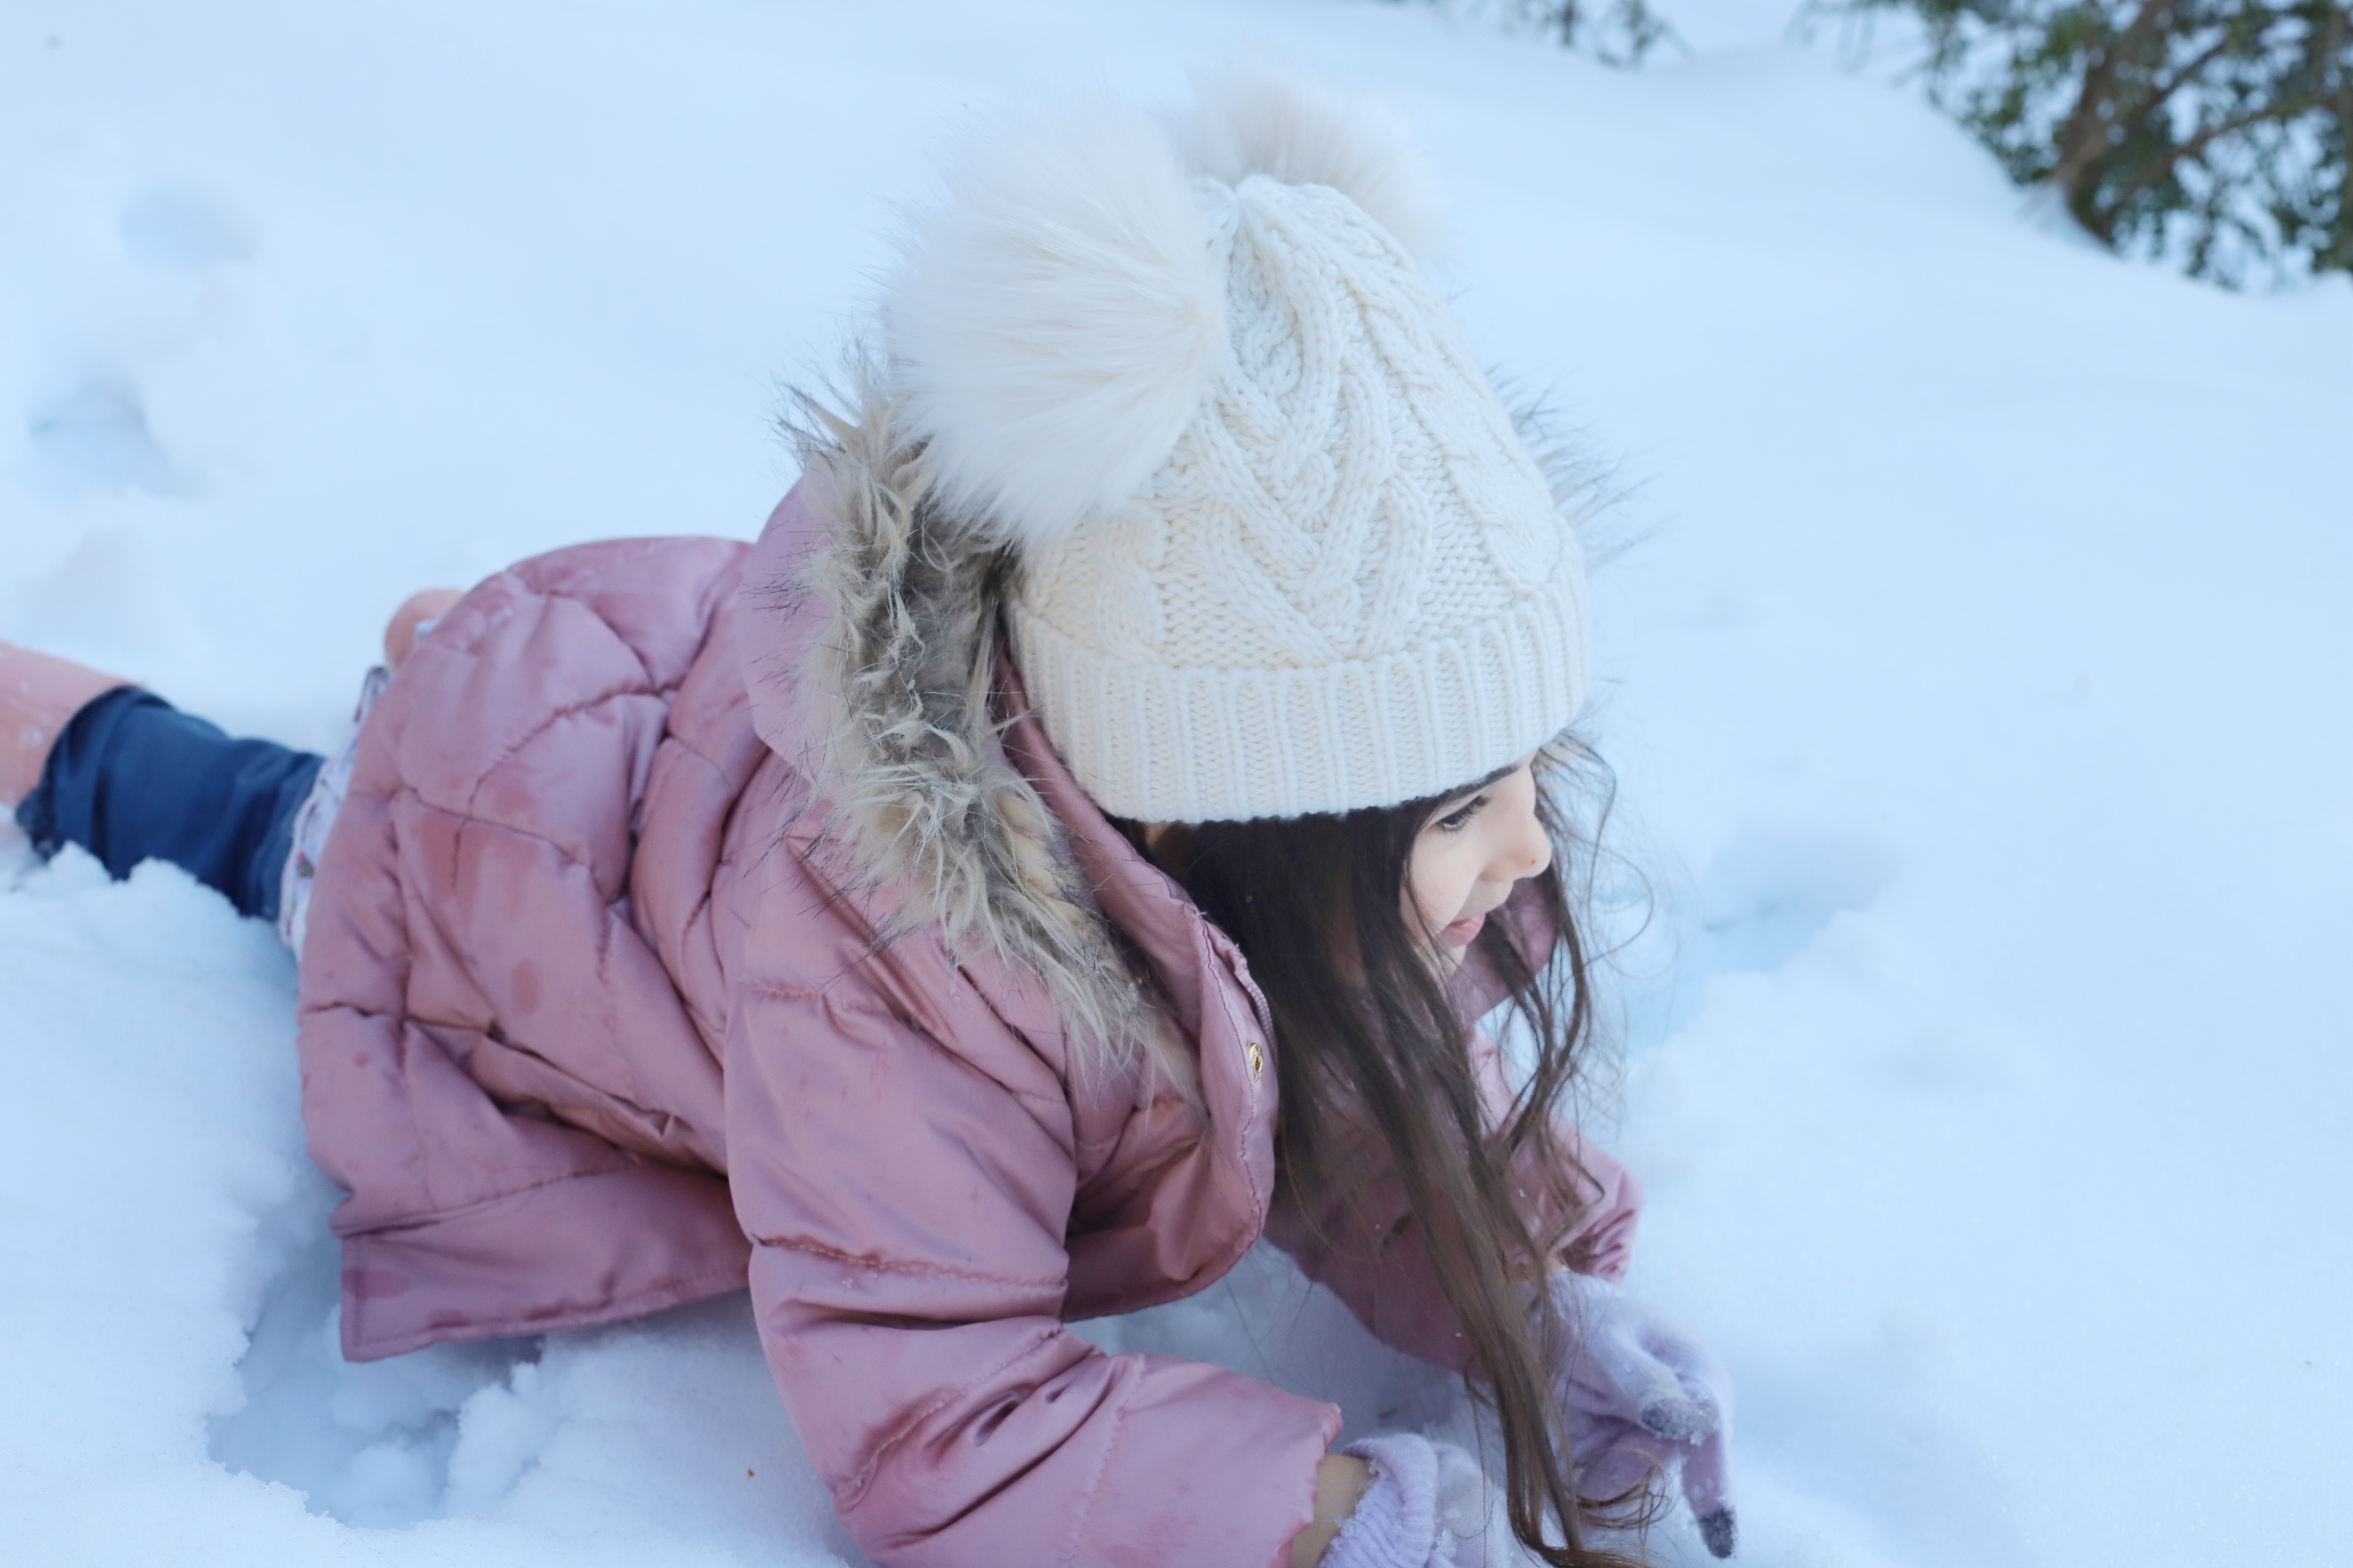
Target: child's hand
{"points": [[1339, 1486], [1641, 1393], [1429, 1506]]}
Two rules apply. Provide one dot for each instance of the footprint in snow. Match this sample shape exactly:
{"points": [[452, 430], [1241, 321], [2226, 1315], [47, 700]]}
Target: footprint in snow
{"points": [[93, 438], [1760, 901]]}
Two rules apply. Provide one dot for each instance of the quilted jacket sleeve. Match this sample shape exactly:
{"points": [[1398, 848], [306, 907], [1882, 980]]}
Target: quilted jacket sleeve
{"points": [[907, 1211]]}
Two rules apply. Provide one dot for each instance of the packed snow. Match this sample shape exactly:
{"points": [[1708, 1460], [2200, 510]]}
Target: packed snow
{"points": [[1979, 681]]}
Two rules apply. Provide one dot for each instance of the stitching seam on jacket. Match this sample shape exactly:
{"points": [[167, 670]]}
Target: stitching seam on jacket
{"points": [[865, 1004], [625, 1162], [1070, 1555], [855, 1487], [908, 1268]]}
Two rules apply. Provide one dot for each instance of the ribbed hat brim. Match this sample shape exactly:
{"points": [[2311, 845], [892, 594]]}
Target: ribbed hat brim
{"points": [[1156, 744]]}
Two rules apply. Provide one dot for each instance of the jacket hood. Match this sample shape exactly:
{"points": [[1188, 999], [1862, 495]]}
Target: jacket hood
{"points": [[886, 676], [885, 681]]}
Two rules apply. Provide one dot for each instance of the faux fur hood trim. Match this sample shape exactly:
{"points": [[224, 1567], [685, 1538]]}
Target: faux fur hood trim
{"points": [[911, 767], [912, 772]]}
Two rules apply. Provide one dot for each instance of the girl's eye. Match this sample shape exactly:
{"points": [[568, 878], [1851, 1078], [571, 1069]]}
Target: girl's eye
{"points": [[1458, 819]]}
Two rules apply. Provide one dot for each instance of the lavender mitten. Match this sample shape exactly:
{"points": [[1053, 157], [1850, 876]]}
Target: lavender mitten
{"points": [[1429, 1506], [1641, 1393]]}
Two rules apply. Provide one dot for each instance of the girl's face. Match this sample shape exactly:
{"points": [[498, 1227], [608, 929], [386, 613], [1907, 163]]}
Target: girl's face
{"points": [[1475, 846]]}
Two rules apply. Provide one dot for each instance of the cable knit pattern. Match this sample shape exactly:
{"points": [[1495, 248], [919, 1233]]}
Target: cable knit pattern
{"points": [[1347, 586], [1347, 583]]}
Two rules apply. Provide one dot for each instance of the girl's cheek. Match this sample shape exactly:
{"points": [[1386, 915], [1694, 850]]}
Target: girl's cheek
{"points": [[1420, 891], [1439, 882]]}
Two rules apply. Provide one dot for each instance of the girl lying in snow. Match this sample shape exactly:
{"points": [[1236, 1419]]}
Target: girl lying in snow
{"points": [[1077, 837]]}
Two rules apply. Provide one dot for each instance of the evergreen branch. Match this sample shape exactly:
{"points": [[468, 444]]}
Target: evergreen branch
{"points": [[2197, 64]]}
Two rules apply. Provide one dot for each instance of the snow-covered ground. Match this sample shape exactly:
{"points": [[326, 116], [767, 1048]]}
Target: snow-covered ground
{"points": [[1980, 682]]}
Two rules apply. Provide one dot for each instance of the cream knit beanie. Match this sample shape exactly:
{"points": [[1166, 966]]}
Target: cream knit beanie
{"points": [[1281, 549]]}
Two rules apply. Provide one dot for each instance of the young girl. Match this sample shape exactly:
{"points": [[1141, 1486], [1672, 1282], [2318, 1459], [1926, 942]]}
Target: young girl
{"points": [[1079, 836]]}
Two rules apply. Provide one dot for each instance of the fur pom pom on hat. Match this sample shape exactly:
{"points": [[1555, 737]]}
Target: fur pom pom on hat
{"points": [[1057, 322], [1280, 548]]}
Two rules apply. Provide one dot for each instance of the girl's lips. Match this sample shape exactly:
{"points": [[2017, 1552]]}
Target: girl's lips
{"points": [[1462, 933]]}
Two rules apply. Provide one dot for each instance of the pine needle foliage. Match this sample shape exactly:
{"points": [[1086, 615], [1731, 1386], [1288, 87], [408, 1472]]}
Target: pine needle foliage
{"points": [[2210, 133], [1614, 32]]}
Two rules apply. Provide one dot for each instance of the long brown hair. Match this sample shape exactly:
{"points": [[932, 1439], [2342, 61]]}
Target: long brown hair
{"points": [[1370, 1043]]}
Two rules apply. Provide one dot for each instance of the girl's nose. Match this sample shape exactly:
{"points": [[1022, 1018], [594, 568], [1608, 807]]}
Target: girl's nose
{"points": [[1527, 854]]}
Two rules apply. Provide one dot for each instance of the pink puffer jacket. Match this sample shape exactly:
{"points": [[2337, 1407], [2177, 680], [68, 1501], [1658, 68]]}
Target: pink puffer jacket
{"points": [[595, 1022]]}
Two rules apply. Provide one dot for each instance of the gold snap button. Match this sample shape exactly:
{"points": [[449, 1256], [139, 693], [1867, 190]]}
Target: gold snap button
{"points": [[1257, 1059]]}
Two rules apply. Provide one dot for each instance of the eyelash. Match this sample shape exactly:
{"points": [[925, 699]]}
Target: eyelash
{"points": [[1458, 819]]}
